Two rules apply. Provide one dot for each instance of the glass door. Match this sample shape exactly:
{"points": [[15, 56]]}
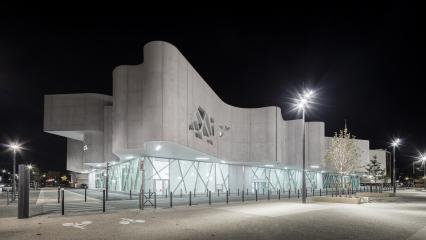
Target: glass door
{"points": [[160, 186]]}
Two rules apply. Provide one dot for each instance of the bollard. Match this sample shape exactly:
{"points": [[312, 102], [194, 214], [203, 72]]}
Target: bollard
{"points": [[227, 200], [59, 194], [181, 192], [190, 194], [130, 194], [313, 192], [263, 192], [24, 192], [103, 200], [289, 194], [297, 193], [171, 199], [63, 202], [268, 195], [238, 192], [210, 197], [155, 199], [247, 191], [85, 194], [166, 193], [255, 191], [320, 192], [218, 193], [242, 196], [279, 194], [7, 196]]}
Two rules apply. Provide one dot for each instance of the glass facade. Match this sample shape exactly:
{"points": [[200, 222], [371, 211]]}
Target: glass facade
{"points": [[183, 176]]}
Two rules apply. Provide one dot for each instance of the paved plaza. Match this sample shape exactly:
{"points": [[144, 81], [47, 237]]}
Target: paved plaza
{"points": [[401, 217]]}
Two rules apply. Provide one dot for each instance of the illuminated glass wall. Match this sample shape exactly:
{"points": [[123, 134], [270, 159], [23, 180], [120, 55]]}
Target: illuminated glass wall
{"points": [[184, 176]]}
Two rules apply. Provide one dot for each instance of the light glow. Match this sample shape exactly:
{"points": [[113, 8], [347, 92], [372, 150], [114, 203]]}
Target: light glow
{"points": [[315, 166], [268, 165], [304, 100], [158, 148], [396, 142], [308, 94], [15, 146], [129, 157], [202, 158]]}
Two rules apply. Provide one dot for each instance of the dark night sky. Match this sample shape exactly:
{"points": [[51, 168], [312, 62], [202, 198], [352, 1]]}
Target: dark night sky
{"points": [[368, 65]]}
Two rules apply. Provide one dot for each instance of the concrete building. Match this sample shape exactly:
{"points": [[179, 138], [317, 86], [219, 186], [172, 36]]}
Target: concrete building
{"points": [[165, 116]]}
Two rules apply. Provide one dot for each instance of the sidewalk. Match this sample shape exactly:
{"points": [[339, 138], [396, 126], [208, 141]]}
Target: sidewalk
{"points": [[404, 218]]}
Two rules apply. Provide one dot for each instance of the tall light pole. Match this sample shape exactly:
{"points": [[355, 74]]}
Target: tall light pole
{"points": [[302, 104], [423, 159], [14, 147], [395, 144], [2, 175]]}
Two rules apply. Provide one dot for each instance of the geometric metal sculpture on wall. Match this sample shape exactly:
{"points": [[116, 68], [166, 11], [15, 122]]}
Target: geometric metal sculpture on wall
{"points": [[202, 125]]}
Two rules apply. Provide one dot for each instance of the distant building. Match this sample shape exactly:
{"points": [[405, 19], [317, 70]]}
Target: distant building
{"points": [[164, 116]]}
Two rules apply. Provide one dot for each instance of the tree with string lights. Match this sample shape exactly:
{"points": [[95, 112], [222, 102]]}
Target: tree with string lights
{"points": [[343, 154]]}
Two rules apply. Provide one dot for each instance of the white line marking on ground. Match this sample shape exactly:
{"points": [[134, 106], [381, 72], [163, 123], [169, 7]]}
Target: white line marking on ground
{"points": [[81, 225], [129, 220]]}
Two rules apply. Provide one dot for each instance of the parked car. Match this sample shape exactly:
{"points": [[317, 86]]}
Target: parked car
{"points": [[7, 187]]}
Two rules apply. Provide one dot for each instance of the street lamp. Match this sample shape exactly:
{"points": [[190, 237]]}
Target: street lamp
{"points": [[422, 157], [14, 147], [302, 103], [2, 175], [395, 144]]}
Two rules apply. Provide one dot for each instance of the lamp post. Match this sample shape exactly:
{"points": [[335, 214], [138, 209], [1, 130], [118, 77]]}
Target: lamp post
{"points": [[2, 175], [395, 144], [14, 147], [423, 158], [302, 104]]}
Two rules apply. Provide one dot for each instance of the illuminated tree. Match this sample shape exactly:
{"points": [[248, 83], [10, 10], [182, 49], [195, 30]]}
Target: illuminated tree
{"points": [[373, 168], [343, 153]]}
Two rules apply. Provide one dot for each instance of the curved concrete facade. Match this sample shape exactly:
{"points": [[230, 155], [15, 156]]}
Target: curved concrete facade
{"points": [[158, 99], [164, 108]]}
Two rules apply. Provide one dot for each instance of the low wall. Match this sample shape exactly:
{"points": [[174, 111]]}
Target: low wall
{"points": [[350, 200], [374, 194]]}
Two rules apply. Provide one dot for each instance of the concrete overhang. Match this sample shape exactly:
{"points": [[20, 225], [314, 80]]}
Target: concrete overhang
{"points": [[171, 150]]}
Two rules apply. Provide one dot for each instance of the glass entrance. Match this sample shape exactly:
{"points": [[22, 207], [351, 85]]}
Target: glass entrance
{"points": [[160, 186], [260, 186]]}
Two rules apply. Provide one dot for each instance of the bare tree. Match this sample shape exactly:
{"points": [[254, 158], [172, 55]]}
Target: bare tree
{"points": [[343, 154]]}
